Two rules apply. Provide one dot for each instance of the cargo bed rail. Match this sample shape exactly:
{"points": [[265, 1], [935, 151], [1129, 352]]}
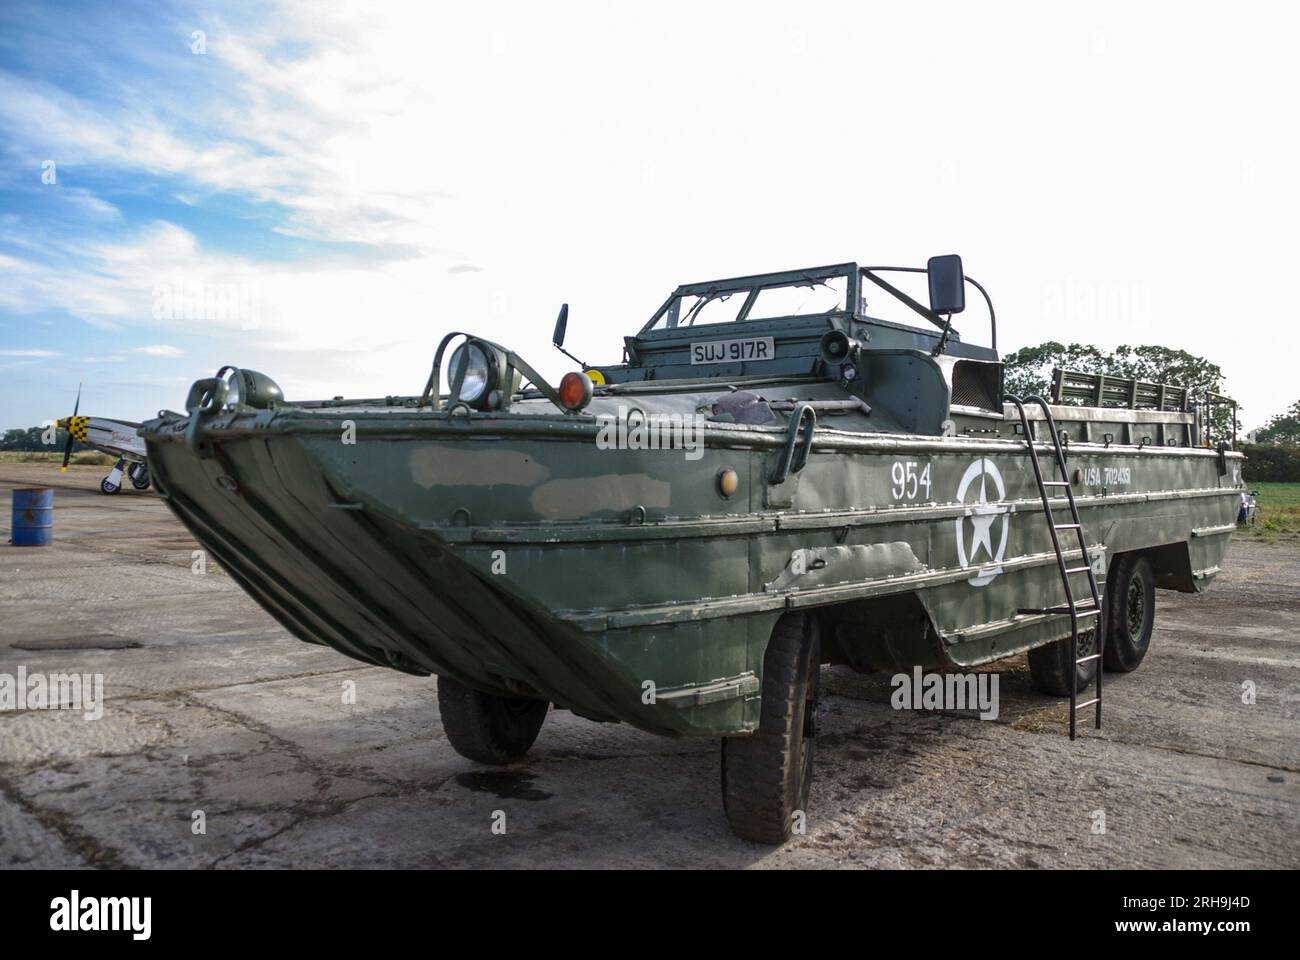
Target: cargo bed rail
{"points": [[1104, 390]]}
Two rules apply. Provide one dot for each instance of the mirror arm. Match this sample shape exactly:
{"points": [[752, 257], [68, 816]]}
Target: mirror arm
{"points": [[993, 320], [571, 356], [942, 345]]}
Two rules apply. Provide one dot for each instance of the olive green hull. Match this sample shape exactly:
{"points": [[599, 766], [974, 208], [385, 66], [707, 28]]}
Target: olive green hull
{"points": [[518, 556]]}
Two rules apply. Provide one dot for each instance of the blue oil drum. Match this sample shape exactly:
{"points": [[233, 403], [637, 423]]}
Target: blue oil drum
{"points": [[33, 517]]}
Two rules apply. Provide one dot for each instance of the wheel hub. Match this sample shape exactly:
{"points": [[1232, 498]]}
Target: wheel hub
{"points": [[808, 736], [1137, 607]]}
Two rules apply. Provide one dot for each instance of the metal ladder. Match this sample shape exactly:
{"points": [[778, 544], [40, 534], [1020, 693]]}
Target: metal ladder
{"points": [[1088, 607]]}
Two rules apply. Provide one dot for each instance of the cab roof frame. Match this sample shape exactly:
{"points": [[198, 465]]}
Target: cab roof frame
{"points": [[759, 281]]}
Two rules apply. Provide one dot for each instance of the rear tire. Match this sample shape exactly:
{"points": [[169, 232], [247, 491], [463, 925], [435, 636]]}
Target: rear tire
{"points": [[766, 776], [140, 478], [109, 488], [487, 728], [1130, 613], [1050, 665]]}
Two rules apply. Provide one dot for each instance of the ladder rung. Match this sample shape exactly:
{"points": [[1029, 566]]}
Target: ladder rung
{"points": [[1067, 526], [1056, 483], [1086, 703], [1083, 660], [1078, 569], [1063, 611]]}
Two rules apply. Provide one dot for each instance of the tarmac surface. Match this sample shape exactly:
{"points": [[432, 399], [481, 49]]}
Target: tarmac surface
{"points": [[224, 742]]}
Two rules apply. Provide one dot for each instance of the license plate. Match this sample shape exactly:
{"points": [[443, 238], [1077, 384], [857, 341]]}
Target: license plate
{"points": [[731, 351]]}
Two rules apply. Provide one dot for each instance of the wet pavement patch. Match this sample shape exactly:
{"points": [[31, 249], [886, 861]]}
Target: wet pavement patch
{"points": [[95, 641], [506, 784]]}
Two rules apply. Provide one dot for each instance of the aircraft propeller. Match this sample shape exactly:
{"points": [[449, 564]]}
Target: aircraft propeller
{"points": [[67, 449]]}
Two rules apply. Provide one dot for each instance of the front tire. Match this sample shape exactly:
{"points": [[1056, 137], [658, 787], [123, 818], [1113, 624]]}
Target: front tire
{"points": [[1130, 613], [766, 776], [140, 478], [1050, 666], [485, 727], [109, 488]]}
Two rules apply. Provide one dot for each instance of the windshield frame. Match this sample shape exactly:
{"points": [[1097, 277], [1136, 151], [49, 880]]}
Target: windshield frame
{"points": [[751, 286]]}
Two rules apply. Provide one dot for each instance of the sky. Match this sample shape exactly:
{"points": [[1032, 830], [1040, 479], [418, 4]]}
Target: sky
{"points": [[321, 191]]}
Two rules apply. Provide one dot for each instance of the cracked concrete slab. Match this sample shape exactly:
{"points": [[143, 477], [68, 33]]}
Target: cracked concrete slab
{"points": [[218, 711]]}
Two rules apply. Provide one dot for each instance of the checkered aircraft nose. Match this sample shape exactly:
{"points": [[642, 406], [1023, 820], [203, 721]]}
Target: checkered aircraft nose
{"points": [[75, 426]]}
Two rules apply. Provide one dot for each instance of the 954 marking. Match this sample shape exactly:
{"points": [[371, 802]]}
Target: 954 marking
{"points": [[723, 351], [910, 478]]}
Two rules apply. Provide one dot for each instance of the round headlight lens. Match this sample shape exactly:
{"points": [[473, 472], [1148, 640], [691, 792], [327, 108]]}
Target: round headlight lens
{"points": [[231, 376], [249, 388], [476, 371]]}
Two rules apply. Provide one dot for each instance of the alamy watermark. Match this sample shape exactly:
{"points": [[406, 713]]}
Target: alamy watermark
{"points": [[1085, 302], [55, 691], [177, 299], [75, 913], [634, 429], [946, 691]]}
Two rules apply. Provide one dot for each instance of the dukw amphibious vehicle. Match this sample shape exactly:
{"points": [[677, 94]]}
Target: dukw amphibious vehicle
{"points": [[770, 480]]}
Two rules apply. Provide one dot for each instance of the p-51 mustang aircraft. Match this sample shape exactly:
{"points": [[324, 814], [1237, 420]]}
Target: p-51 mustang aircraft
{"points": [[117, 438]]}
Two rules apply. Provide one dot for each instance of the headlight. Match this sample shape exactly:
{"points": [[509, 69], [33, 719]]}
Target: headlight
{"points": [[475, 383], [232, 387], [250, 388], [487, 379]]}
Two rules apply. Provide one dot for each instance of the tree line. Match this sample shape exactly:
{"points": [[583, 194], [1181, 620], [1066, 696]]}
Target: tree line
{"points": [[32, 440], [1274, 456], [1029, 369]]}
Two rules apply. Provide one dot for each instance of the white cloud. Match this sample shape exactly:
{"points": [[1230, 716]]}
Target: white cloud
{"points": [[28, 353], [602, 155], [90, 205], [160, 350]]}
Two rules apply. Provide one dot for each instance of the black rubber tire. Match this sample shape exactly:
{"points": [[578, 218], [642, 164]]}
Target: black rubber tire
{"points": [[485, 727], [767, 775], [140, 479], [109, 488], [1130, 612], [1050, 665]]}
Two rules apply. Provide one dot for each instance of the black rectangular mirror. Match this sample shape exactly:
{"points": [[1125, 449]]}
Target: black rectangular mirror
{"points": [[561, 322], [947, 284]]}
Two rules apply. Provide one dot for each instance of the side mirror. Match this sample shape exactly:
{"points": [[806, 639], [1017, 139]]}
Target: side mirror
{"points": [[947, 284], [561, 324]]}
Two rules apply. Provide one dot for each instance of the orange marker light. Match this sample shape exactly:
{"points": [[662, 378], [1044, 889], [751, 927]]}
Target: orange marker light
{"points": [[728, 482], [575, 391]]}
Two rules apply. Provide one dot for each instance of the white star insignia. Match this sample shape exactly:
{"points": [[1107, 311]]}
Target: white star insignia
{"points": [[982, 520]]}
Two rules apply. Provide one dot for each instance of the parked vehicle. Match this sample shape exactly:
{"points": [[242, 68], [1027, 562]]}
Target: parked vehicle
{"points": [[1246, 512], [771, 479]]}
